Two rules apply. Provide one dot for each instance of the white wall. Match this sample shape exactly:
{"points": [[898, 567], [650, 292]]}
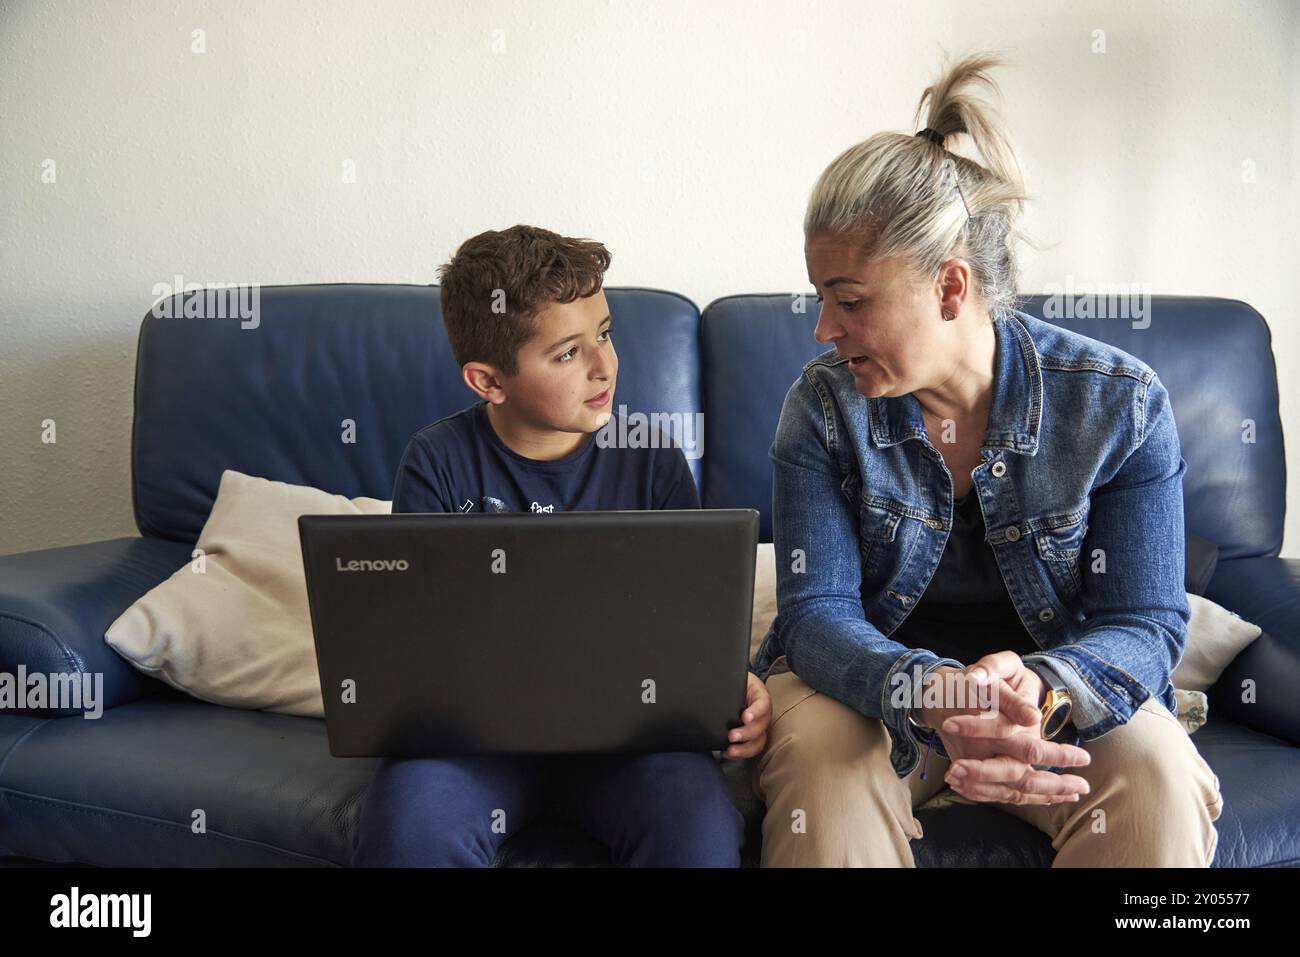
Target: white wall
{"points": [[684, 135]]}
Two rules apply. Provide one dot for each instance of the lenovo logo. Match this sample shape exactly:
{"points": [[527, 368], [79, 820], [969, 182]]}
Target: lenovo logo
{"points": [[378, 565]]}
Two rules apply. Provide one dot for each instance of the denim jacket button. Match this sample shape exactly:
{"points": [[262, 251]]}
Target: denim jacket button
{"points": [[934, 523], [1046, 614], [999, 469], [1013, 534]]}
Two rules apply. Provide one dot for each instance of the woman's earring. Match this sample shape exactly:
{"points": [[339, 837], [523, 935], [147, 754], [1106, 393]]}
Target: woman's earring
{"points": [[948, 316]]}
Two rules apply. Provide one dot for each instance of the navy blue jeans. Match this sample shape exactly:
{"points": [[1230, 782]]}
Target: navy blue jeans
{"points": [[650, 810]]}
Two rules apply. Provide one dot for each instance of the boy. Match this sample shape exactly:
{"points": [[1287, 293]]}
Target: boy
{"points": [[528, 322]]}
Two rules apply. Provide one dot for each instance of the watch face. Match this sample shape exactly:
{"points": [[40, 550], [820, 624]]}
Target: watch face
{"points": [[1056, 720]]}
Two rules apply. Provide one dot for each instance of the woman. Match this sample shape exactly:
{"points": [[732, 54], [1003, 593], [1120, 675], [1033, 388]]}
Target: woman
{"points": [[979, 531]]}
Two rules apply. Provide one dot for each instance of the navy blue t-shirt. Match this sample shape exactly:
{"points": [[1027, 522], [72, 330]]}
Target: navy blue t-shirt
{"points": [[460, 464]]}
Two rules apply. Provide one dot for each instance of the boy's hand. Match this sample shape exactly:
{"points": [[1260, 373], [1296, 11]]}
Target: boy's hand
{"points": [[751, 738]]}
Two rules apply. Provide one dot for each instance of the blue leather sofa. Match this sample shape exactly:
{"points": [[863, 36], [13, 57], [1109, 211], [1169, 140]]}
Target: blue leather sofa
{"points": [[269, 401]]}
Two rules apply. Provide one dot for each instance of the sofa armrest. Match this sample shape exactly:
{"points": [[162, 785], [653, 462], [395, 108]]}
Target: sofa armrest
{"points": [[1266, 592], [56, 604]]}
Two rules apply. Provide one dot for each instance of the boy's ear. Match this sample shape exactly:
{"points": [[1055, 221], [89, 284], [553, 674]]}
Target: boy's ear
{"points": [[484, 381]]}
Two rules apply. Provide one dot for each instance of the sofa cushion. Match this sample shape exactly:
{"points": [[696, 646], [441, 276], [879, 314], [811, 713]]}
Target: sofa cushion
{"points": [[239, 633], [972, 835], [56, 603], [1259, 778], [122, 790], [1259, 688], [1202, 558]]}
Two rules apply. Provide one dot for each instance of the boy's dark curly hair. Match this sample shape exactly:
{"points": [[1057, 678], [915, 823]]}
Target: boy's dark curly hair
{"points": [[498, 281]]}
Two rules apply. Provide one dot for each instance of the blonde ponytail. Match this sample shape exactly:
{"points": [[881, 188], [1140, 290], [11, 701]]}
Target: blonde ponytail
{"points": [[909, 196]]}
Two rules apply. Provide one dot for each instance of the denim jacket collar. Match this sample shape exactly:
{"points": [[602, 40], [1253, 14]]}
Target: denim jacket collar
{"points": [[1014, 415]]}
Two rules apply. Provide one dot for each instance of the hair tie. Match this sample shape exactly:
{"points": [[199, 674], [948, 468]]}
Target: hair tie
{"points": [[937, 139]]}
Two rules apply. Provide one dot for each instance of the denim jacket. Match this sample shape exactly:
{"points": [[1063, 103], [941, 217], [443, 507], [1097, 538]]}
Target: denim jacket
{"points": [[1080, 484]]}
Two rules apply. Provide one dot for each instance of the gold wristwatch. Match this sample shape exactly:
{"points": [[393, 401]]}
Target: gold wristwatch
{"points": [[1057, 704]]}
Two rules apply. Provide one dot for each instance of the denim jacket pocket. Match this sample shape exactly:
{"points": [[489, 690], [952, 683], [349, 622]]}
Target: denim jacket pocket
{"points": [[878, 528], [1060, 547]]}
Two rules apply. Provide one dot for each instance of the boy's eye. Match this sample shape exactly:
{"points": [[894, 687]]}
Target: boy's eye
{"points": [[566, 356]]}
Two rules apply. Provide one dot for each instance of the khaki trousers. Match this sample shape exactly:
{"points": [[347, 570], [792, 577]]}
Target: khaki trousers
{"points": [[834, 800]]}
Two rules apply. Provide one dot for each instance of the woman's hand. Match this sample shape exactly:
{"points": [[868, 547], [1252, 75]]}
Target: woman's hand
{"points": [[992, 753], [751, 738]]}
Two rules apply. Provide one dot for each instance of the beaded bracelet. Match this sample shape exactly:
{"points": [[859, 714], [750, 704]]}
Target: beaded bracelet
{"points": [[929, 736]]}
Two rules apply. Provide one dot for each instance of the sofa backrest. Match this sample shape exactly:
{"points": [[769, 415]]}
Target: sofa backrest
{"points": [[272, 400], [1214, 356], [754, 348], [271, 396]]}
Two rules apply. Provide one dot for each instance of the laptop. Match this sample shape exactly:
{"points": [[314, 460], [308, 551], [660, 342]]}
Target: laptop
{"points": [[531, 633]]}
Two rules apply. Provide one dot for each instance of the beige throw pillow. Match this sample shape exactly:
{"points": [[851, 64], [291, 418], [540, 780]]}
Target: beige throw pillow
{"points": [[764, 596], [1214, 637], [239, 632]]}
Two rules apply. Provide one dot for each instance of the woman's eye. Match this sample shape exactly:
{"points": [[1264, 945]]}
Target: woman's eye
{"points": [[606, 334], [848, 306]]}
